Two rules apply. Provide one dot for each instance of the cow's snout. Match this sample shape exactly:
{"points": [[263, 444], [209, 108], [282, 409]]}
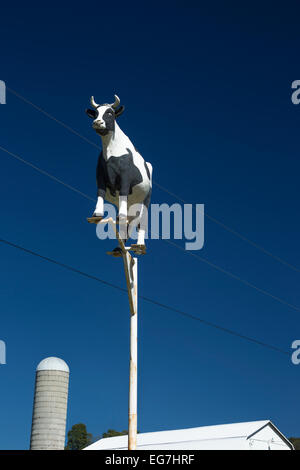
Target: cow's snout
{"points": [[99, 124]]}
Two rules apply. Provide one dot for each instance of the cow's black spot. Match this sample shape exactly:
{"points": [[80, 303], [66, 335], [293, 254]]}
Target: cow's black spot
{"points": [[109, 119], [117, 174], [102, 131], [119, 111], [92, 113]]}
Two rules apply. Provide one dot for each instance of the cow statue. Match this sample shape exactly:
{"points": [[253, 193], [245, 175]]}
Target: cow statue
{"points": [[123, 176]]}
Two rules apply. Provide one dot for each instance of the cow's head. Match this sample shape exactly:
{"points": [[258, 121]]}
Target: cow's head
{"points": [[104, 115]]}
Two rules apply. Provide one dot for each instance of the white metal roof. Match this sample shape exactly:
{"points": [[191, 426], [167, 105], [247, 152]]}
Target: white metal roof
{"points": [[53, 363], [253, 434]]}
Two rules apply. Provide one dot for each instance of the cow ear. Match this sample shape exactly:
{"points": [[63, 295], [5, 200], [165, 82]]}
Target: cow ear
{"points": [[119, 111], [91, 113]]}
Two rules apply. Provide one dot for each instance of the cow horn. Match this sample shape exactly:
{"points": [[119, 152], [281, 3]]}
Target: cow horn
{"points": [[93, 103], [116, 103]]}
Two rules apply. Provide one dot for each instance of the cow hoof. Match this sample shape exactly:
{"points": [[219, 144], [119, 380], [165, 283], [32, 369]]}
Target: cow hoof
{"points": [[95, 219], [122, 220], [117, 252], [139, 249]]}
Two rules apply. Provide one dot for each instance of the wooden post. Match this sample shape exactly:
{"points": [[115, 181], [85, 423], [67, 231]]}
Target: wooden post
{"points": [[130, 265], [131, 274]]}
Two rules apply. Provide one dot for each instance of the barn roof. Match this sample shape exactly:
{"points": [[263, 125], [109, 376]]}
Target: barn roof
{"points": [[201, 437]]}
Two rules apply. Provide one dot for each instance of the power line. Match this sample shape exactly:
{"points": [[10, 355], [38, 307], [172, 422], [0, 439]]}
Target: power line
{"points": [[45, 173], [234, 232], [234, 276], [213, 219], [142, 297], [219, 268], [188, 315], [69, 128]]}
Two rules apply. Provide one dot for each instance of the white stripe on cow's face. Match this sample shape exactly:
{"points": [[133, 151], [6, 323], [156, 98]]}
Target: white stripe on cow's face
{"points": [[105, 119], [114, 142]]}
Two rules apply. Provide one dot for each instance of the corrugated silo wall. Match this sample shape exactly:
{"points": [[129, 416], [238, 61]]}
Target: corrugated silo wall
{"points": [[49, 410]]}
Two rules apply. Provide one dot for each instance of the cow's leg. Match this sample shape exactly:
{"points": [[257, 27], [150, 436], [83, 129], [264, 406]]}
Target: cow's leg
{"points": [[141, 236], [99, 210], [123, 195], [101, 185], [123, 207], [123, 217], [142, 225]]}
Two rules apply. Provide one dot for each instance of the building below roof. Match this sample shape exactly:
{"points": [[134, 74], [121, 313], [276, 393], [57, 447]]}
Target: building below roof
{"points": [[254, 435]]}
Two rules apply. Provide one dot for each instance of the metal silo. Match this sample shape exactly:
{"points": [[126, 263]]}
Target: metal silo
{"points": [[50, 405]]}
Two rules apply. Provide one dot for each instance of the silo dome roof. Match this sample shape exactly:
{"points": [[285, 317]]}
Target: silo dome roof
{"points": [[53, 363]]}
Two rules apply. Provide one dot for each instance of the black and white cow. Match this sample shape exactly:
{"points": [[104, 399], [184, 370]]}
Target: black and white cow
{"points": [[123, 176]]}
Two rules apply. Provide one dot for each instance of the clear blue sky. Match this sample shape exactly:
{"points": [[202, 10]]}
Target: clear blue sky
{"points": [[207, 96]]}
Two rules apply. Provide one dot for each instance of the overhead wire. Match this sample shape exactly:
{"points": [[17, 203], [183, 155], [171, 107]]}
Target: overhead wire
{"points": [[141, 297], [72, 188], [162, 188], [199, 258]]}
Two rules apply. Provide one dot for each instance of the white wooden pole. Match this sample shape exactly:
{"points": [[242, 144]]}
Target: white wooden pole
{"points": [[132, 409], [131, 272]]}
